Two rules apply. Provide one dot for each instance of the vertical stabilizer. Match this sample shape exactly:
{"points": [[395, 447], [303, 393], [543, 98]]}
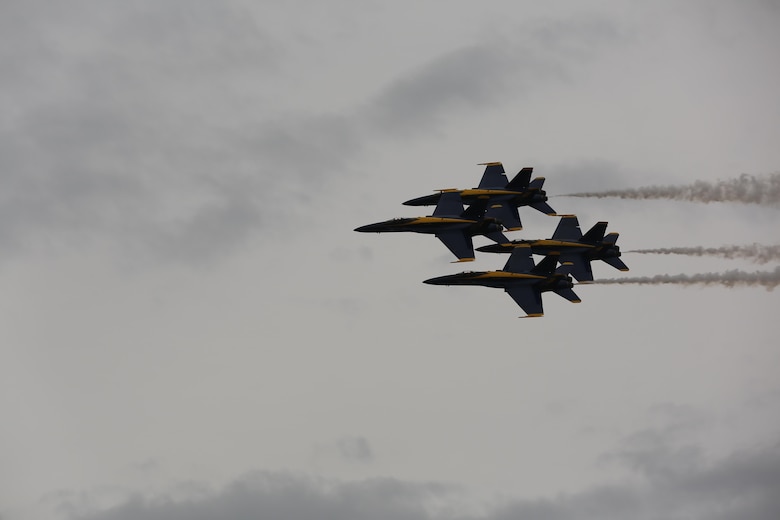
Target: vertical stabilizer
{"points": [[547, 266], [520, 181], [596, 233], [494, 176], [568, 229]]}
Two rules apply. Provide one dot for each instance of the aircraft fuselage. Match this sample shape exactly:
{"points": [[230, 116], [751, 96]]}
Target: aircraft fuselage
{"points": [[430, 225], [516, 198], [503, 279]]}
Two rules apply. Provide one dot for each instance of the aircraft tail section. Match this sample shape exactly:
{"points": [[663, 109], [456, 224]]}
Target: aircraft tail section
{"points": [[450, 205], [506, 213], [544, 208], [547, 266], [536, 184], [617, 263], [494, 176], [577, 265], [568, 293], [520, 181], [596, 233], [611, 238], [497, 237], [568, 229]]}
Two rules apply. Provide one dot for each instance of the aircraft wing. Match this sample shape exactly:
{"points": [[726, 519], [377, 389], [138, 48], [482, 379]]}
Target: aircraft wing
{"points": [[520, 261], [459, 243], [581, 269], [449, 205], [494, 176], [528, 298]]}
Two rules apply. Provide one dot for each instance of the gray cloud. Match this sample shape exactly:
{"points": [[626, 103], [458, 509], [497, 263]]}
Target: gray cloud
{"points": [[673, 481], [485, 74], [355, 449], [284, 496], [155, 128]]}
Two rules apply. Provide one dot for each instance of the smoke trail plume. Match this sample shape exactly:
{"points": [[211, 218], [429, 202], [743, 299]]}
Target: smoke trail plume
{"points": [[733, 278], [764, 190], [757, 253]]}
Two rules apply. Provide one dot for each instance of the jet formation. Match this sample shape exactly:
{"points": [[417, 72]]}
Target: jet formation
{"points": [[492, 207]]}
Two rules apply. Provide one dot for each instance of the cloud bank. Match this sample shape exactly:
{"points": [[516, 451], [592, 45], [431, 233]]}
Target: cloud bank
{"points": [[669, 481]]}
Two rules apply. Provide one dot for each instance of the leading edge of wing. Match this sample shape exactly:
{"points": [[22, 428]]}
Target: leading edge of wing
{"points": [[528, 298], [459, 243]]}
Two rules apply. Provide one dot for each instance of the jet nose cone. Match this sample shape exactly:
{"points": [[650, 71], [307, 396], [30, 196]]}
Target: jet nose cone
{"points": [[438, 280], [368, 228]]}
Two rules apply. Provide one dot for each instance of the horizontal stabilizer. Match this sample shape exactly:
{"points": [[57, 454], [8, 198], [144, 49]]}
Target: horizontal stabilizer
{"points": [[617, 263], [568, 293], [543, 207], [497, 237], [520, 181]]}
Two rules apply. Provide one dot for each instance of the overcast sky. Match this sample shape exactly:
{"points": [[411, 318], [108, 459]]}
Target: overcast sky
{"points": [[190, 327]]}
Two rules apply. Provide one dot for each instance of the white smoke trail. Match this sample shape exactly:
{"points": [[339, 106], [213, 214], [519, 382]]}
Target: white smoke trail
{"points": [[757, 253], [764, 190], [733, 278]]}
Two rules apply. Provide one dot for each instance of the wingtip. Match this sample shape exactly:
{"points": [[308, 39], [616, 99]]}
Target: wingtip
{"points": [[541, 314], [494, 163], [459, 260]]}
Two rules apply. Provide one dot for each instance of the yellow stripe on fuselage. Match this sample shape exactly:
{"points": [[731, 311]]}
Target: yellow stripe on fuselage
{"points": [[507, 274], [440, 220], [558, 243], [486, 193]]}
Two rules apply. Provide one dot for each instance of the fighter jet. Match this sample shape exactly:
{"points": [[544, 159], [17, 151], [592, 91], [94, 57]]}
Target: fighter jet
{"points": [[451, 224], [495, 188], [572, 247], [521, 279]]}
